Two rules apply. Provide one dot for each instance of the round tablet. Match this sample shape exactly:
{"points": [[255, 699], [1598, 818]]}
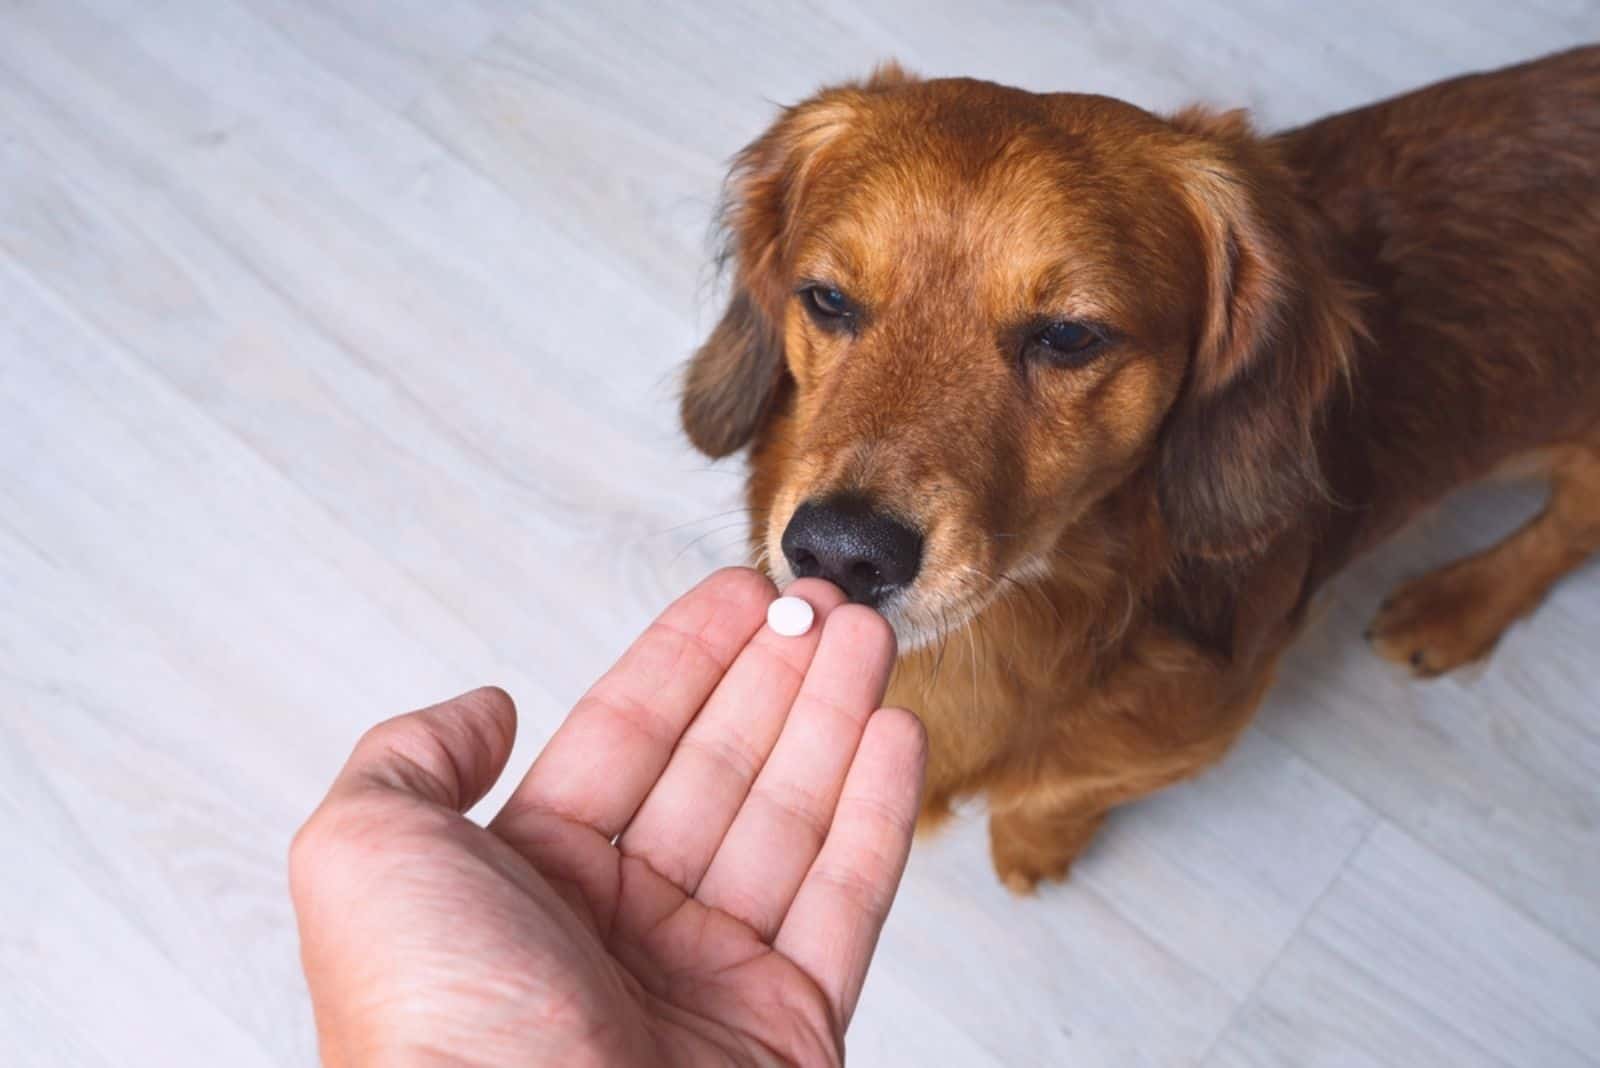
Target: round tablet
{"points": [[789, 616]]}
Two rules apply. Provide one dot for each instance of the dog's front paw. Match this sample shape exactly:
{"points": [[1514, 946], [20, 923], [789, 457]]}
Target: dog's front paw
{"points": [[1027, 849], [1022, 875], [1442, 620], [936, 813]]}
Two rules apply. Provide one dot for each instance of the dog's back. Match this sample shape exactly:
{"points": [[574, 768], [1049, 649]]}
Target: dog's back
{"points": [[1471, 212]]}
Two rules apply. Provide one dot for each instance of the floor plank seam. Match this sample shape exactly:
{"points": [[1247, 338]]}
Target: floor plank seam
{"points": [[1289, 940], [1396, 822], [92, 327]]}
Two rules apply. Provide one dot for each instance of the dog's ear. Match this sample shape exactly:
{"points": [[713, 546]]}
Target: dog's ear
{"points": [[734, 378], [1238, 456]]}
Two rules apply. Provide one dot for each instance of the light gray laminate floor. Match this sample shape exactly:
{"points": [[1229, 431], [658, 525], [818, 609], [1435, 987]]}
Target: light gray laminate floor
{"points": [[337, 342]]}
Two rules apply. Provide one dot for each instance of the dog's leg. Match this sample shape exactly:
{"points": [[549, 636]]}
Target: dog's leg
{"points": [[1449, 617], [1169, 710], [1040, 836]]}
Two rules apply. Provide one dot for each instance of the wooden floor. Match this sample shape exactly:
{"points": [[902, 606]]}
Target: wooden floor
{"points": [[337, 354]]}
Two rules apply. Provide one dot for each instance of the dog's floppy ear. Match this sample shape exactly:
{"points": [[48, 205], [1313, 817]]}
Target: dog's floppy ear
{"points": [[1238, 454], [734, 378]]}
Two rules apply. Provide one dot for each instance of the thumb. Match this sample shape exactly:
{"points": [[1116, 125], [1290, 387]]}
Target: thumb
{"points": [[448, 754]]}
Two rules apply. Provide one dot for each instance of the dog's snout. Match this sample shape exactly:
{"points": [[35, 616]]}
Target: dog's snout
{"points": [[845, 540]]}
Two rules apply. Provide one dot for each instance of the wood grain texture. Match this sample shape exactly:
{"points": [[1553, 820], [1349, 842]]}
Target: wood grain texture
{"points": [[338, 345], [1406, 952]]}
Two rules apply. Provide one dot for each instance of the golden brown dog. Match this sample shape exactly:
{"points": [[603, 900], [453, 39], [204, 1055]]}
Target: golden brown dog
{"points": [[1089, 401]]}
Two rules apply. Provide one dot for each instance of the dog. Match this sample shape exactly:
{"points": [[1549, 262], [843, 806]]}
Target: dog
{"points": [[1090, 402]]}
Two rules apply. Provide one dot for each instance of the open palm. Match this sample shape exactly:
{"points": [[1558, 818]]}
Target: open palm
{"points": [[694, 871]]}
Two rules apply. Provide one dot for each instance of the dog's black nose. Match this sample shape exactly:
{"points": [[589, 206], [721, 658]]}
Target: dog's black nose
{"points": [[843, 539]]}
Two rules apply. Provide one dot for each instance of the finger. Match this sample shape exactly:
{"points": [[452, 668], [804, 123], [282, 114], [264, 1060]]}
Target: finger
{"points": [[681, 822], [449, 754], [833, 925], [612, 748], [783, 822]]}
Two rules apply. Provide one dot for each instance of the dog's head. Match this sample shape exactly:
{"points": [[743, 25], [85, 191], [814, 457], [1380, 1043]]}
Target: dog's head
{"points": [[963, 315]]}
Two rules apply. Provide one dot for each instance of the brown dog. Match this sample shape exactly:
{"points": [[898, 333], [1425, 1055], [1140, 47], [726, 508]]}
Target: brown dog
{"points": [[1089, 402]]}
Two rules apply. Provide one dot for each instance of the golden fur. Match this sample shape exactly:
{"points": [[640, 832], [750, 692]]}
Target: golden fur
{"points": [[1308, 338]]}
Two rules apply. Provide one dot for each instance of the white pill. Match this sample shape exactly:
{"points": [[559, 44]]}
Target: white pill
{"points": [[790, 616]]}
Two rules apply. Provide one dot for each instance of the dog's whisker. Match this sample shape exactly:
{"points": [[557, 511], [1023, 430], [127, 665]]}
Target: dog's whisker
{"points": [[1033, 594], [702, 537], [703, 519], [944, 642], [717, 548], [972, 644]]}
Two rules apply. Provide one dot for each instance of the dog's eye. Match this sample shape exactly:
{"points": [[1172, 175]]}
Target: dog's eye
{"points": [[1066, 343], [830, 308], [829, 301]]}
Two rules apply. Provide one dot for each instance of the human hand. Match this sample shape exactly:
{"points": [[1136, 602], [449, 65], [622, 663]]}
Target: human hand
{"points": [[691, 872]]}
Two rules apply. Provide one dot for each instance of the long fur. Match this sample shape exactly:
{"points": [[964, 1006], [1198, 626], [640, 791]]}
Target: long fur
{"points": [[1312, 336]]}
